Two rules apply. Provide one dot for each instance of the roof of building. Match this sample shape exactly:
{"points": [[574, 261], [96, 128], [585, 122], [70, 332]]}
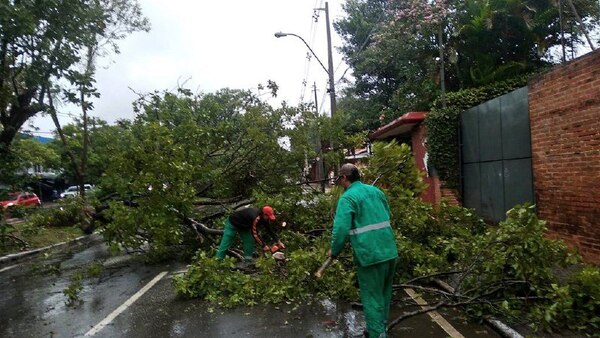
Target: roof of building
{"points": [[400, 126], [359, 153]]}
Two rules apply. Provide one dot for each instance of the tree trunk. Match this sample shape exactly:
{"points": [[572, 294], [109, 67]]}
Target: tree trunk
{"points": [[15, 119]]}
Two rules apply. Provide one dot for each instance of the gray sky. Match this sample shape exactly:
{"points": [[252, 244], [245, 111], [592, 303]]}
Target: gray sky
{"points": [[211, 45]]}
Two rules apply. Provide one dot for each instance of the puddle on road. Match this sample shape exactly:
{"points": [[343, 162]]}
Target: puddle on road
{"points": [[177, 329]]}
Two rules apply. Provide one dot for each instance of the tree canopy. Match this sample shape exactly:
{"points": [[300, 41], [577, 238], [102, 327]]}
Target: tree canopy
{"points": [[42, 46], [184, 147], [393, 48]]}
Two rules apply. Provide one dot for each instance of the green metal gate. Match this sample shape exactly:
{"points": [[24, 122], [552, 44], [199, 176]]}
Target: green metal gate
{"points": [[496, 155]]}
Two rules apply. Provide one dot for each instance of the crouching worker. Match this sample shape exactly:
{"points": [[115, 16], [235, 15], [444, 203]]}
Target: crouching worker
{"points": [[249, 223]]}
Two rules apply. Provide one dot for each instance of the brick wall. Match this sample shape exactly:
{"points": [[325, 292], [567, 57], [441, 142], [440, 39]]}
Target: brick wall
{"points": [[564, 106], [450, 195]]}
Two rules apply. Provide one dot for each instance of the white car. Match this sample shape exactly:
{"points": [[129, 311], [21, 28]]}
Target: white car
{"points": [[74, 190]]}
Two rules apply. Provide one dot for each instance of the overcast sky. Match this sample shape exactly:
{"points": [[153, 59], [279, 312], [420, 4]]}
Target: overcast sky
{"points": [[211, 45]]}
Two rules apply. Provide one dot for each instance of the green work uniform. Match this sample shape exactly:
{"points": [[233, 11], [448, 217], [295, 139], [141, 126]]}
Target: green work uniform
{"points": [[245, 222], [229, 232], [363, 215]]}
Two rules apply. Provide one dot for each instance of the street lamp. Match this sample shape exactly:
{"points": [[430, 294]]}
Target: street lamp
{"points": [[321, 165], [280, 35], [329, 71]]}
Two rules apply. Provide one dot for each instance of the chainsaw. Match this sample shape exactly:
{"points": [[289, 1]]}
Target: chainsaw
{"points": [[276, 251]]}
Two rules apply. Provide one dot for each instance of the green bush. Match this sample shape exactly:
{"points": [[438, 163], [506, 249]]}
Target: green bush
{"points": [[432, 239], [510, 267], [218, 281], [301, 210], [69, 212], [17, 211], [585, 292], [392, 167], [574, 305]]}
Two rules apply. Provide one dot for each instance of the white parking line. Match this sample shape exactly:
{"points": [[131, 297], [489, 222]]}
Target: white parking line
{"points": [[441, 321], [125, 305], [8, 268]]}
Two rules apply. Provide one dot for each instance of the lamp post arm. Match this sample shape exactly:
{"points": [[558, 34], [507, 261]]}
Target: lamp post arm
{"points": [[307, 46]]}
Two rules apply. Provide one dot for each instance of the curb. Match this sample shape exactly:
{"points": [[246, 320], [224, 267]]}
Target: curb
{"points": [[82, 240]]}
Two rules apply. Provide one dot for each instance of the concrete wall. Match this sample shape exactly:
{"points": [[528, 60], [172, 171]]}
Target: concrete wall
{"points": [[564, 106]]}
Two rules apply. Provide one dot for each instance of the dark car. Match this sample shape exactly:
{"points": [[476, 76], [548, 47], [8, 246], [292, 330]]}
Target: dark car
{"points": [[26, 199]]}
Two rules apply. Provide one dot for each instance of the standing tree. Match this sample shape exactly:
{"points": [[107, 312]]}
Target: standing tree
{"points": [[29, 153], [45, 42], [101, 138], [120, 17]]}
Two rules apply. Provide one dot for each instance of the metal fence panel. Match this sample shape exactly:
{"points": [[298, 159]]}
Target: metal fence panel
{"points": [[516, 138], [490, 133], [518, 182], [492, 191], [469, 130], [472, 186], [496, 155]]}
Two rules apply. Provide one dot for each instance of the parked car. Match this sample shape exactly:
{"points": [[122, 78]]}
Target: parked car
{"points": [[27, 199], [74, 190]]}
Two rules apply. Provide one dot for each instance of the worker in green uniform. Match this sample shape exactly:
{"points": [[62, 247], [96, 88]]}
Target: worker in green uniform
{"points": [[363, 216], [247, 222]]}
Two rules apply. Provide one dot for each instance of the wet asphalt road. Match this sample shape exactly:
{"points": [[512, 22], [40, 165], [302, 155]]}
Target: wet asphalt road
{"points": [[32, 304]]}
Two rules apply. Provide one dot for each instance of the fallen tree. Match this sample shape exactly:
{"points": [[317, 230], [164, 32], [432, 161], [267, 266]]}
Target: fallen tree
{"points": [[185, 158], [447, 254]]}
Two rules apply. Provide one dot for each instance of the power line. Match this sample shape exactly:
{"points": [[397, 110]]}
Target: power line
{"points": [[325, 93], [307, 64], [342, 77]]}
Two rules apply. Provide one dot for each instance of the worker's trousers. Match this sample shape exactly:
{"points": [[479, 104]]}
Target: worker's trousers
{"points": [[375, 282], [228, 238]]}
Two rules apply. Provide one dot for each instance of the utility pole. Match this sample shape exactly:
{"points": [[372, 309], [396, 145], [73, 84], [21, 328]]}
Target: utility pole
{"points": [[320, 163], [329, 61], [320, 166], [442, 61], [331, 89]]}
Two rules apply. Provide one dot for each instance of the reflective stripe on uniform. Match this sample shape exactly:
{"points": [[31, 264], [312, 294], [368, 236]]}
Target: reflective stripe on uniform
{"points": [[369, 227]]}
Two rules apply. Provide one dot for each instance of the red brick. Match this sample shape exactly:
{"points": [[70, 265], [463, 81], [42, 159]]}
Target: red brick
{"points": [[564, 107]]}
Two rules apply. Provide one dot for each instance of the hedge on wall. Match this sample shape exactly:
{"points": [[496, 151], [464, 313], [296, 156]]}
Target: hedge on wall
{"points": [[442, 124]]}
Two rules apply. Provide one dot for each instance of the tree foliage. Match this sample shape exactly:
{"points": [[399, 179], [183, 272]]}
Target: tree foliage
{"points": [[102, 138], [42, 42], [506, 270], [184, 148], [394, 47], [26, 153]]}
